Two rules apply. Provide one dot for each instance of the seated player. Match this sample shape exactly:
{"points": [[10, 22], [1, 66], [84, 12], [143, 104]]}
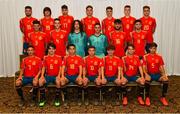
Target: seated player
{"points": [[154, 71], [51, 72], [99, 41], [92, 68], [29, 74], [132, 67]]}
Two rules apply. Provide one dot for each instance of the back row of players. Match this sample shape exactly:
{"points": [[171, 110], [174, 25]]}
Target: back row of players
{"points": [[65, 29]]}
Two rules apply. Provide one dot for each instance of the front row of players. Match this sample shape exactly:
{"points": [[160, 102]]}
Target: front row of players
{"points": [[72, 68]]}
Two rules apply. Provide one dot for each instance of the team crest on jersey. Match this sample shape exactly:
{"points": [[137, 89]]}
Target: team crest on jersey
{"points": [[114, 63], [61, 36], [127, 26], [34, 63], [131, 22], [75, 61], [93, 22], [30, 60], [157, 61], [69, 21], [150, 22], [95, 63], [40, 37], [121, 36], [55, 62]]}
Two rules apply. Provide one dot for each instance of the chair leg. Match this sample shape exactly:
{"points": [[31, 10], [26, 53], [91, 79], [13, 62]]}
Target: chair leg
{"points": [[62, 96], [82, 95], [144, 94], [100, 95]]}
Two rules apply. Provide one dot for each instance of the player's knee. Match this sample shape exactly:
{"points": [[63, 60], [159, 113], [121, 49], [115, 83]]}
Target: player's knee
{"points": [[104, 82], [18, 83]]}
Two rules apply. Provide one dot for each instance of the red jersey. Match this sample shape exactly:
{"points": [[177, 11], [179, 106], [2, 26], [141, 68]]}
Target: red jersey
{"points": [[47, 25], [38, 40], [26, 24], [88, 24], [128, 25], [153, 63], [131, 65], [118, 39], [59, 38], [66, 22], [52, 64], [72, 64], [148, 24], [111, 65], [31, 66], [92, 65], [139, 40], [108, 26]]}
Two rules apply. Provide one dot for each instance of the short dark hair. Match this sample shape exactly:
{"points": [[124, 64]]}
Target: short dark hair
{"points": [[138, 20], [127, 6], [47, 9], [110, 47], [36, 22], [51, 45], [69, 45], [144, 7], [91, 47], [109, 7], [89, 6], [97, 24], [117, 21], [30, 46], [28, 7], [56, 19], [130, 45], [64, 7], [153, 45]]}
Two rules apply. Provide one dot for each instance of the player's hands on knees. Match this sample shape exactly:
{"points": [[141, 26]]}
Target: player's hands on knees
{"points": [[79, 79], [118, 81], [42, 79], [147, 77], [58, 78], [123, 80], [103, 81]]}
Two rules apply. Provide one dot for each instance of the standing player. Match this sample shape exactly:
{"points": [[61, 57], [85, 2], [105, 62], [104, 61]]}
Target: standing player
{"points": [[26, 26], [118, 39], [154, 71], [89, 21], [51, 72], [29, 74], [65, 19], [38, 40], [139, 39], [59, 38], [99, 41], [149, 25], [78, 38], [132, 67], [128, 22], [47, 23], [108, 22]]}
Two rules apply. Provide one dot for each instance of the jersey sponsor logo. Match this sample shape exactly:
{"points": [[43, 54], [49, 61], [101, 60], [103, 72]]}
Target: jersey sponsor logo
{"points": [[34, 63], [56, 61], [95, 63], [114, 63]]}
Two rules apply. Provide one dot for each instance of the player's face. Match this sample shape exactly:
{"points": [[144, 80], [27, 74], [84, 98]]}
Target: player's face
{"points": [[47, 13], [127, 11], [30, 51], [146, 12], [138, 26], [56, 24], [152, 50], [28, 12], [76, 25], [91, 51], [36, 27], [117, 26], [72, 50], [97, 29], [64, 11], [51, 51], [110, 52], [109, 12], [89, 11], [130, 50]]}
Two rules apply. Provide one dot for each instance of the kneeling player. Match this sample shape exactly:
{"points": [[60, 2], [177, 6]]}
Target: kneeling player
{"points": [[154, 71], [29, 73], [51, 72], [132, 67]]}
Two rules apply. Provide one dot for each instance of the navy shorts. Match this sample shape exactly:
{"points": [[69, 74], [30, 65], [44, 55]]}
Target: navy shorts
{"points": [[91, 78], [50, 79], [71, 78], [131, 78], [110, 79], [25, 46], [27, 80], [155, 77]]}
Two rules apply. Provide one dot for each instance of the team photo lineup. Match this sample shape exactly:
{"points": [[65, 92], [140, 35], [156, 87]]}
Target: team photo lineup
{"points": [[63, 50]]}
